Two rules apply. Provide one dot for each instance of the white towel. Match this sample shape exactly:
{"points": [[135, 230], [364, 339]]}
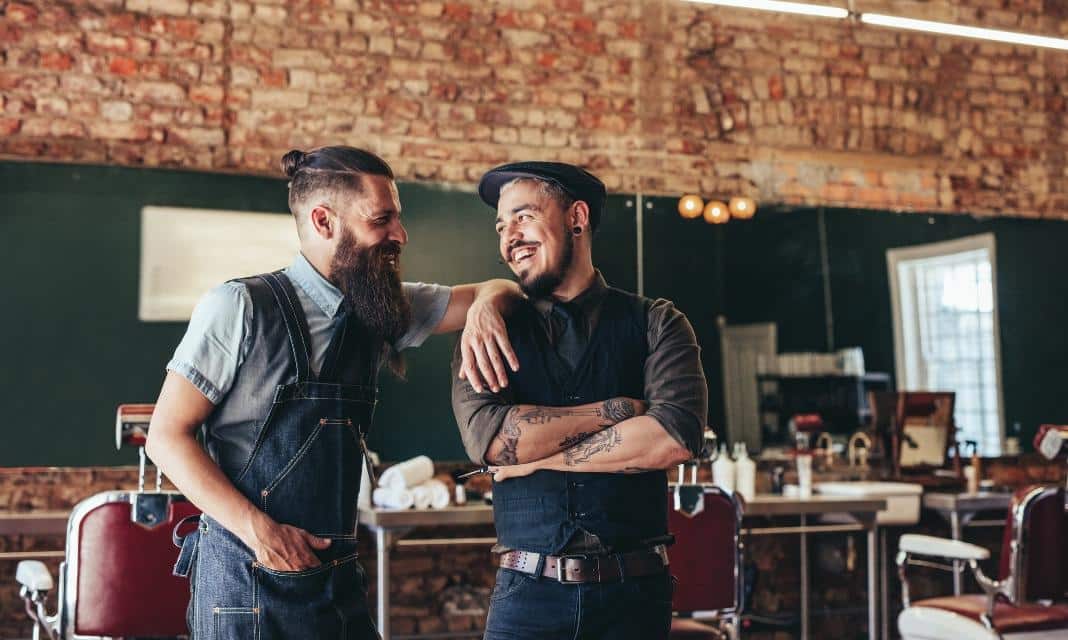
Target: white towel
{"points": [[439, 494], [393, 498], [422, 496], [407, 474], [431, 494]]}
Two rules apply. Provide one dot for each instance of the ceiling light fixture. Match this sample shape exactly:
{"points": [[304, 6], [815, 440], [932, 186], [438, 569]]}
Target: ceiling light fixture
{"points": [[946, 28], [800, 8], [896, 22]]}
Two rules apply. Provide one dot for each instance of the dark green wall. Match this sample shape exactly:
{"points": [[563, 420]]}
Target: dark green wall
{"points": [[73, 348], [769, 269], [1032, 298]]}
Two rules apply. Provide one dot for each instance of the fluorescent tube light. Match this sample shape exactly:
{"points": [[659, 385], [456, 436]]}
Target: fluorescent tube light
{"points": [[801, 8], [964, 32]]}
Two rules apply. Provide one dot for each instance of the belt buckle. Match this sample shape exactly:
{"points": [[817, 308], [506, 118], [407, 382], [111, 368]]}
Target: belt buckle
{"points": [[561, 563]]}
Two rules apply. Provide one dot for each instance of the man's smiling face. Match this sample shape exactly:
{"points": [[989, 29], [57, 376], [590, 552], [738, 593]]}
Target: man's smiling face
{"points": [[535, 240]]}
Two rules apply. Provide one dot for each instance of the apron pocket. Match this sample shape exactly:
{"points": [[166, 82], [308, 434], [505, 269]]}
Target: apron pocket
{"points": [[235, 623], [315, 602], [326, 468]]}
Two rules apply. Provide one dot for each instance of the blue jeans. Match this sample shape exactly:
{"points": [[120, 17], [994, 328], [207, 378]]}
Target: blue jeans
{"points": [[523, 607]]}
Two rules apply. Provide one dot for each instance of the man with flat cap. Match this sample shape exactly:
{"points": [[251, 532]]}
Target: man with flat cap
{"points": [[608, 395]]}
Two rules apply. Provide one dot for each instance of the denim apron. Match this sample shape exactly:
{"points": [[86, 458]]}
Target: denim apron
{"points": [[304, 471]]}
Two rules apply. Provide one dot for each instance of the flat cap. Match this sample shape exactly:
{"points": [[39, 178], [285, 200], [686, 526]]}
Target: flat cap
{"points": [[577, 182]]}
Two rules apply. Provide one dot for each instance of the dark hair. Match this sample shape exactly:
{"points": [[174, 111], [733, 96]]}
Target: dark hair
{"points": [[330, 168]]}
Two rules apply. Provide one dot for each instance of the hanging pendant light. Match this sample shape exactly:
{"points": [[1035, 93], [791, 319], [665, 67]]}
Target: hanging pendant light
{"points": [[717, 212], [690, 206], [742, 208]]}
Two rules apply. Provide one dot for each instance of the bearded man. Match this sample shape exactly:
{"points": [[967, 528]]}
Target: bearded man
{"points": [[281, 371]]}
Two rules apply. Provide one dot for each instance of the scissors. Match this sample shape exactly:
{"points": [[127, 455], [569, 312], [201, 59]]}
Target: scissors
{"points": [[476, 472]]}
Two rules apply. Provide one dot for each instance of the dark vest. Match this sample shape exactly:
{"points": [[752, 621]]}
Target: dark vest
{"points": [[542, 511]]}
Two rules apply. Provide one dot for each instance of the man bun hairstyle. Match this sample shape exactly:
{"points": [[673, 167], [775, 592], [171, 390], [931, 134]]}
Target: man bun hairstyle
{"points": [[329, 169], [292, 162]]}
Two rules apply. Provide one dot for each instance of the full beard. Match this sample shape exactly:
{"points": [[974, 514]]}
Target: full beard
{"points": [[369, 280], [543, 285]]}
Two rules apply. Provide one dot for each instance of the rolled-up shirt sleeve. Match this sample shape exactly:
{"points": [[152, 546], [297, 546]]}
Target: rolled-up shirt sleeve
{"points": [[479, 416], [216, 341], [428, 304], [675, 385]]}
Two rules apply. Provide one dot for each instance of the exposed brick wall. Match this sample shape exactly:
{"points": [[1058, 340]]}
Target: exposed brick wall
{"points": [[659, 96]]}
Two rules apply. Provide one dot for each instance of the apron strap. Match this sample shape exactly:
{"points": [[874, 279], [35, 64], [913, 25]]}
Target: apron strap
{"points": [[296, 325], [187, 543]]}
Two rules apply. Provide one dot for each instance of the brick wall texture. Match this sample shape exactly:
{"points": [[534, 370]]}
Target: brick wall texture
{"points": [[658, 96]]}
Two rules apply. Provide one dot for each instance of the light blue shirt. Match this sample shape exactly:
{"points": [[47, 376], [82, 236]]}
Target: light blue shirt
{"points": [[219, 334]]}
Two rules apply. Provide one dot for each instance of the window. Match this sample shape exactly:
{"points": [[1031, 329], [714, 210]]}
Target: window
{"points": [[944, 300]]}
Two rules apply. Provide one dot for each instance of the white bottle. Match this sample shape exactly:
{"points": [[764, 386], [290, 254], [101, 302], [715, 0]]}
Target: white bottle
{"points": [[804, 474], [744, 471], [723, 470]]}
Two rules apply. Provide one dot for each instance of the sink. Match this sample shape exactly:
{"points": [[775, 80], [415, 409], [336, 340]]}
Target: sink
{"points": [[902, 498]]}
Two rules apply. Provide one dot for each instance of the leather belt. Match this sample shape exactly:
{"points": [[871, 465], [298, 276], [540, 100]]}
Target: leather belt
{"points": [[582, 568]]}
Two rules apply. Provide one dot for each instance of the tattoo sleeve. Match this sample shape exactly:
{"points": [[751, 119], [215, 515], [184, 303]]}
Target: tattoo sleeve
{"points": [[570, 427], [509, 438], [600, 442], [617, 410]]}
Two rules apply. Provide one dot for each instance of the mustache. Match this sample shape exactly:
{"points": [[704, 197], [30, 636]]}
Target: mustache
{"points": [[387, 248], [519, 244]]}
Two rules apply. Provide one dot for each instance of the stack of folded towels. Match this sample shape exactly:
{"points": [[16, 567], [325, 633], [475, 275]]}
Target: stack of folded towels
{"points": [[411, 484]]}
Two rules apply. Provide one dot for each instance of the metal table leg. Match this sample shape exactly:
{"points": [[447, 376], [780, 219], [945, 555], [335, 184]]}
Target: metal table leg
{"points": [[955, 533], [383, 541], [804, 579], [884, 587], [873, 603]]}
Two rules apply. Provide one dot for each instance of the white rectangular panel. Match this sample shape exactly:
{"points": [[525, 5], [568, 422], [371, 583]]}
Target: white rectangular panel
{"points": [[186, 252]]}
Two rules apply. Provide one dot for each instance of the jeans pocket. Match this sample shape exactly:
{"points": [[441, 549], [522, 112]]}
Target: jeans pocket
{"points": [[235, 623], [657, 589], [508, 584]]}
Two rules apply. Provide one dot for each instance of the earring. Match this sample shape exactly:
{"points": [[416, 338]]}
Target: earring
{"points": [[577, 231]]}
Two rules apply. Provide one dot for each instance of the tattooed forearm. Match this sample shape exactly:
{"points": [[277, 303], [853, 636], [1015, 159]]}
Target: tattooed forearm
{"points": [[508, 436], [575, 438], [600, 442], [617, 410], [544, 415]]}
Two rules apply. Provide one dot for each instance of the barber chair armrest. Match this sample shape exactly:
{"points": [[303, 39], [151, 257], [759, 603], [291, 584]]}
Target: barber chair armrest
{"points": [[921, 545], [35, 582], [34, 576]]}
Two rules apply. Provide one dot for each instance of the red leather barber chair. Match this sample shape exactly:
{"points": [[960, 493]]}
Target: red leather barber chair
{"points": [[1028, 600], [706, 559], [116, 579]]}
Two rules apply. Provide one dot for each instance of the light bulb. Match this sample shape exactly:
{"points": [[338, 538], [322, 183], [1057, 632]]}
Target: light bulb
{"points": [[717, 212], [690, 206], [742, 208]]}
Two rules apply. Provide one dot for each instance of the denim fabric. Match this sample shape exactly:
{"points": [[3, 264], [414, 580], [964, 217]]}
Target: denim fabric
{"points": [[222, 353], [523, 607], [303, 470], [543, 511], [235, 598]]}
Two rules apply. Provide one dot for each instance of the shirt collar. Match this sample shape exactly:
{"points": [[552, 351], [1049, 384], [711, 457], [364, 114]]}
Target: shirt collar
{"points": [[584, 301], [319, 289]]}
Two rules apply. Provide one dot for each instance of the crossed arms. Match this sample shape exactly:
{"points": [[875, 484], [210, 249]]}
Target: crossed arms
{"points": [[616, 435]]}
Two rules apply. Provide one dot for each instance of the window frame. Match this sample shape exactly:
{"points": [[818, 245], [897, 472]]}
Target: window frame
{"points": [[904, 340]]}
